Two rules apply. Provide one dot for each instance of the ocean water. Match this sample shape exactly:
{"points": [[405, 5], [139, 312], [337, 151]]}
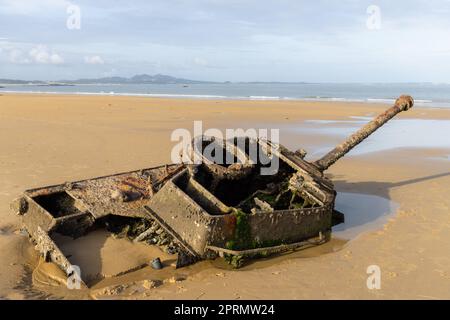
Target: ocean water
{"points": [[425, 94]]}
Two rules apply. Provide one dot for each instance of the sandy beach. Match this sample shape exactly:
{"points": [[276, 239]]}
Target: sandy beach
{"points": [[50, 139]]}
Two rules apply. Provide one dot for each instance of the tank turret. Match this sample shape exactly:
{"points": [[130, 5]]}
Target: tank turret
{"points": [[201, 211]]}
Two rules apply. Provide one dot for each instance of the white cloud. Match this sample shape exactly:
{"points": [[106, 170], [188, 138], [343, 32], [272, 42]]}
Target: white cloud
{"points": [[41, 54], [56, 59], [27, 54], [94, 60]]}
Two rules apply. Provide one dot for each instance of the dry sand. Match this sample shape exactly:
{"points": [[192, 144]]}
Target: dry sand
{"points": [[46, 139]]}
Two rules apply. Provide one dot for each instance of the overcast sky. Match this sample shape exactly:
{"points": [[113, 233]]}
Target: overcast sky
{"points": [[235, 40]]}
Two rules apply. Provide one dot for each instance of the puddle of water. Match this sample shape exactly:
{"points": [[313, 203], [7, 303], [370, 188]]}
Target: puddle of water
{"points": [[405, 133], [363, 118], [363, 212], [443, 158], [330, 122], [100, 255]]}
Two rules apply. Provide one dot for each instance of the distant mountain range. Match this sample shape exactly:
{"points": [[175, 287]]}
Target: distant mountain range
{"points": [[137, 79]]}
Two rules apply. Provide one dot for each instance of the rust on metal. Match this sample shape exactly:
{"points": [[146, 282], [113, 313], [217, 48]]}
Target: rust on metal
{"points": [[403, 103], [200, 211]]}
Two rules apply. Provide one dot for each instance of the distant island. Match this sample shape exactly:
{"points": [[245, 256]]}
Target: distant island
{"points": [[137, 79]]}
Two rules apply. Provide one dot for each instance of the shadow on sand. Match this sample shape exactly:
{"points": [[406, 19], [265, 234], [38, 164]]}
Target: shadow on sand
{"points": [[365, 211]]}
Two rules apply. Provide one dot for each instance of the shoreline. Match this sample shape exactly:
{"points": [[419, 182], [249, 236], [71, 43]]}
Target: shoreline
{"points": [[421, 103], [307, 110]]}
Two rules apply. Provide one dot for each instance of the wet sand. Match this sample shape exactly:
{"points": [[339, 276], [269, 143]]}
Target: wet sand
{"points": [[100, 255], [51, 139]]}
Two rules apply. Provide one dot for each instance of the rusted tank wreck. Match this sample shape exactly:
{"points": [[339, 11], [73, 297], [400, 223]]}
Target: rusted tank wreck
{"points": [[200, 211]]}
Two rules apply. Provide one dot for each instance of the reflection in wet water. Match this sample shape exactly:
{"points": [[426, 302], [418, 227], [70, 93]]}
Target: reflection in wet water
{"points": [[362, 213], [404, 133]]}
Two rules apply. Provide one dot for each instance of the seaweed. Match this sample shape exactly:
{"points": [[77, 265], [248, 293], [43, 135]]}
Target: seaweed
{"points": [[242, 233], [236, 261], [243, 240]]}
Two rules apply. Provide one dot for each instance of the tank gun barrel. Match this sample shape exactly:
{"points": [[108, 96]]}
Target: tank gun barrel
{"points": [[403, 103]]}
